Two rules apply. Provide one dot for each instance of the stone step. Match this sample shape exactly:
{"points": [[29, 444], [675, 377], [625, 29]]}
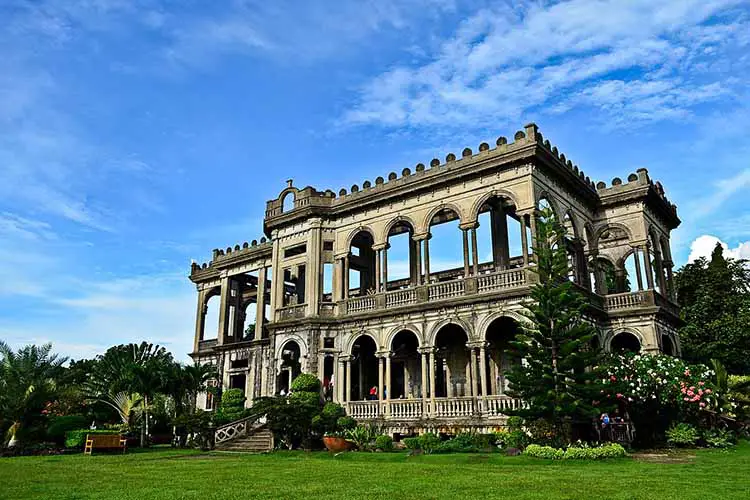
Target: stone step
{"points": [[260, 441]]}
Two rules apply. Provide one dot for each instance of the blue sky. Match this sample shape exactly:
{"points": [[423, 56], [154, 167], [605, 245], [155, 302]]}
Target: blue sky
{"points": [[138, 135]]}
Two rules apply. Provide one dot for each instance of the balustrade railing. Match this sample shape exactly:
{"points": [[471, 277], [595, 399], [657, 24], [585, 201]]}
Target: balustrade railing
{"points": [[625, 300], [445, 290], [363, 409], [405, 408], [236, 429], [501, 280], [498, 405], [360, 304], [401, 297], [454, 407]]}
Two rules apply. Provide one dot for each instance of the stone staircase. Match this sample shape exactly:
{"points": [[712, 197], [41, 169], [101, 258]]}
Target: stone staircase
{"points": [[248, 435], [256, 442]]}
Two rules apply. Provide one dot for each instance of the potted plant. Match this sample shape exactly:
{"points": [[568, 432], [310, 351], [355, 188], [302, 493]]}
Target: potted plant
{"points": [[335, 442]]}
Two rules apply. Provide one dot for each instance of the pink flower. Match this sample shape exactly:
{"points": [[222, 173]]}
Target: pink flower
{"points": [[619, 396], [686, 399], [692, 387], [690, 393], [701, 383], [708, 391], [613, 378], [687, 372], [702, 405]]}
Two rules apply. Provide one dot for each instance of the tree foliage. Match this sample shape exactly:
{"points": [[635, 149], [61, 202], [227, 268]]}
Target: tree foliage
{"points": [[715, 299], [28, 382], [555, 341]]}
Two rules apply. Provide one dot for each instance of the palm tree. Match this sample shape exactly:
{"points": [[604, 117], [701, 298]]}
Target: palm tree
{"points": [[185, 382], [135, 370], [28, 381]]}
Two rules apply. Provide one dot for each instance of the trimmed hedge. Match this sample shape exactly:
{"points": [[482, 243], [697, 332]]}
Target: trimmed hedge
{"points": [[59, 426], [384, 443], [306, 382], [611, 450], [77, 438]]}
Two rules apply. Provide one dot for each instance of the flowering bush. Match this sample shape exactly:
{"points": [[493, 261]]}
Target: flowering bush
{"points": [[656, 378], [548, 452]]}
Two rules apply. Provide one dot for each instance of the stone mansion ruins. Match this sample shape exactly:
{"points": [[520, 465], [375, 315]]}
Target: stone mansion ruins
{"points": [[424, 347]]}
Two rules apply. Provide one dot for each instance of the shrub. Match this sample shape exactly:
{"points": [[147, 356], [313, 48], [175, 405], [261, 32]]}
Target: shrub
{"points": [[548, 452], [515, 423], [77, 438], [468, 442], [516, 439], [411, 443], [609, 450], [362, 436], [232, 406], [384, 443], [682, 435], [346, 423], [306, 382], [305, 398], [719, 438], [429, 442], [60, 425]]}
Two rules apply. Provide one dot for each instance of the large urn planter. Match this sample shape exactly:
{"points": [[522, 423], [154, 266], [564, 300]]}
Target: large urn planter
{"points": [[336, 444]]}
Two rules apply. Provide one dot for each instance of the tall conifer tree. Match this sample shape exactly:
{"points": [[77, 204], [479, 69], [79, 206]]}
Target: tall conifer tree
{"points": [[555, 342]]}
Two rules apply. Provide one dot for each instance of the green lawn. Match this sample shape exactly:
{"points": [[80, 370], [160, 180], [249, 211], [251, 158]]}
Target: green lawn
{"points": [[186, 474]]}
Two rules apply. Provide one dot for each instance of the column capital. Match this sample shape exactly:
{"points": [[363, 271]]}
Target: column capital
{"points": [[476, 344], [426, 350], [343, 358], [380, 246], [468, 225], [383, 354], [421, 236]]}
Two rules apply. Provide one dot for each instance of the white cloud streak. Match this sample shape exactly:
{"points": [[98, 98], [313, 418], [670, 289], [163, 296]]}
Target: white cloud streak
{"points": [[505, 63]]}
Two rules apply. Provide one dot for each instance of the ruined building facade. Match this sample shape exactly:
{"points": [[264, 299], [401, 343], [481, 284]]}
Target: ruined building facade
{"points": [[418, 344]]}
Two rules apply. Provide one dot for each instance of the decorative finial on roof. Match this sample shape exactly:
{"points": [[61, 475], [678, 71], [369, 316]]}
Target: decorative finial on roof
{"points": [[289, 182]]}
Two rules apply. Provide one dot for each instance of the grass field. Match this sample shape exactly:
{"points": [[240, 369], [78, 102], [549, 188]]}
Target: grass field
{"points": [[163, 474]]}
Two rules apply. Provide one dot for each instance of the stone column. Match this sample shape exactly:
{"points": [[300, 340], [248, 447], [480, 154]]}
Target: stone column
{"points": [[224, 309], [260, 303], [448, 377], [427, 258], [649, 270], [638, 276], [474, 252], [473, 372], [483, 369], [200, 319], [348, 378], [381, 362], [346, 276], [377, 270], [524, 240], [466, 252], [500, 249], [670, 284], [418, 256], [431, 362], [339, 383], [532, 223], [387, 396], [385, 267]]}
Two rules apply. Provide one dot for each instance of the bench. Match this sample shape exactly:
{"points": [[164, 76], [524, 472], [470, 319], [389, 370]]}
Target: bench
{"points": [[105, 442]]}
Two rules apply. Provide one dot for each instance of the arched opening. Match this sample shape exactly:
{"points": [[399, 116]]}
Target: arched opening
{"points": [[401, 263], [211, 318], [406, 380], [577, 272], [625, 342], [603, 276], [500, 333], [364, 368], [499, 235], [667, 345], [249, 311], [446, 246], [452, 375], [287, 202], [290, 366], [361, 279], [629, 279]]}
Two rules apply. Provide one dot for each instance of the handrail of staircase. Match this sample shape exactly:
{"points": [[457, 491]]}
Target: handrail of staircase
{"points": [[238, 428]]}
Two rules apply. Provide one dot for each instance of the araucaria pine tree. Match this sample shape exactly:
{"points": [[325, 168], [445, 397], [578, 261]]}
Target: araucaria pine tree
{"points": [[555, 341]]}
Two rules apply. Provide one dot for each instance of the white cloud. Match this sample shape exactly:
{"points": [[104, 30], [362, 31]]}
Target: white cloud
{"points": [[703, 245], [504, 63], [724, 190]]}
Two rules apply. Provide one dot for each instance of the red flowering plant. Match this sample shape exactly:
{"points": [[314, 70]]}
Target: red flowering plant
{"points": [[655, 389]]}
